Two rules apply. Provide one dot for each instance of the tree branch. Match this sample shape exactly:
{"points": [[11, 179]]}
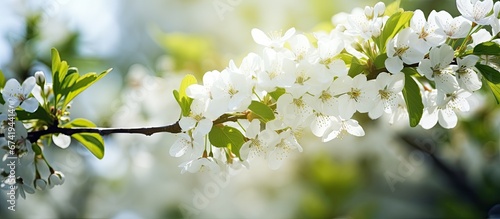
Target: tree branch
{"points": [[172, 128]]}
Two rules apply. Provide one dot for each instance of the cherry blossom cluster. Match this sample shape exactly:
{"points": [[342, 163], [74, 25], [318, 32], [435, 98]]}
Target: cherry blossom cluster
{"points": [[309, 81], [34, 171]]}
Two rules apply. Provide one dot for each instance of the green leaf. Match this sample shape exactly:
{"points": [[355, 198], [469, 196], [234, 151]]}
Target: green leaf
{"points": [[489, 73], [277, 93], [380, 61], [185, 83], [393, 8], [2, 79], [495, 89], [356, 67], [83, 83], [411, 93], [92, 141], [394, 24], [487, 48], [56, 60], [40, 114], [181, 96], [177, 96], [265, 112], [492, 77], [226, 136]]}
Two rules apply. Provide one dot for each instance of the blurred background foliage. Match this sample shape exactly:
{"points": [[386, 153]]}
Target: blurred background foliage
{"points": [[392, 172]]}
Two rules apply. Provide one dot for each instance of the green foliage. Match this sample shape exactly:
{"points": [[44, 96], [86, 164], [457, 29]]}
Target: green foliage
{"points": [[394, 24], [92, 141], [413, 99], [492, 77], [67, 82], [2, 79], [487, 48], [181, 97], [356, 67], [264, 112], [393, 8], [79, 83], [41, 114], [277, 93], [226, 137]]}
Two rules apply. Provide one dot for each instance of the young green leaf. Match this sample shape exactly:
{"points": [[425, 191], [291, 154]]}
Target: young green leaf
{"points": [[92, 141], [264, 112], [492, 77], [185, 83], [393, 8], [2, 79], [40, 114], [413, 99], [83, 83], [356, 67], [277, 93], [394, 24], [226, 136], [487, 48], [495, 89], [181, 96], [56, 60], [489, 73]]}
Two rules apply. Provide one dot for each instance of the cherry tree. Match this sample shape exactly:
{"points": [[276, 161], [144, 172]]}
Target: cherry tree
{"points": [[384, 61]]}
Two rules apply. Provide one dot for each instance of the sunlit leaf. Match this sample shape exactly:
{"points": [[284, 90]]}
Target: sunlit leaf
{"points": [[277, 93], [83, 83], [226, 136], [92, 141], [40, 114], [492, 77], [413, 99], [394, 24], [264, 112], [2, 79], [487, 48]]}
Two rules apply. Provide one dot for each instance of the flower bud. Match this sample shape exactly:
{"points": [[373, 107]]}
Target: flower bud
{"points": [[379, 9], [57, 178], [40, 184], [40, 79]]}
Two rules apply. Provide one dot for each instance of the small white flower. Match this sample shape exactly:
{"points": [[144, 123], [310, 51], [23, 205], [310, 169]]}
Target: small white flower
{"points": [[400, 113], [202, 164], [285, 145], [467, 77], [403, 49], [388, 89], [234, 88], [476, 11], [442, 108], [301, 47], [258, 142], [273, 75], [356, 94], [479, 37], [438, 68], [185, 144], [454, 28], [294, 110], [274, 40], [61, 140], [340, 127], [321, 123], [18, 95], [429, 33]]}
